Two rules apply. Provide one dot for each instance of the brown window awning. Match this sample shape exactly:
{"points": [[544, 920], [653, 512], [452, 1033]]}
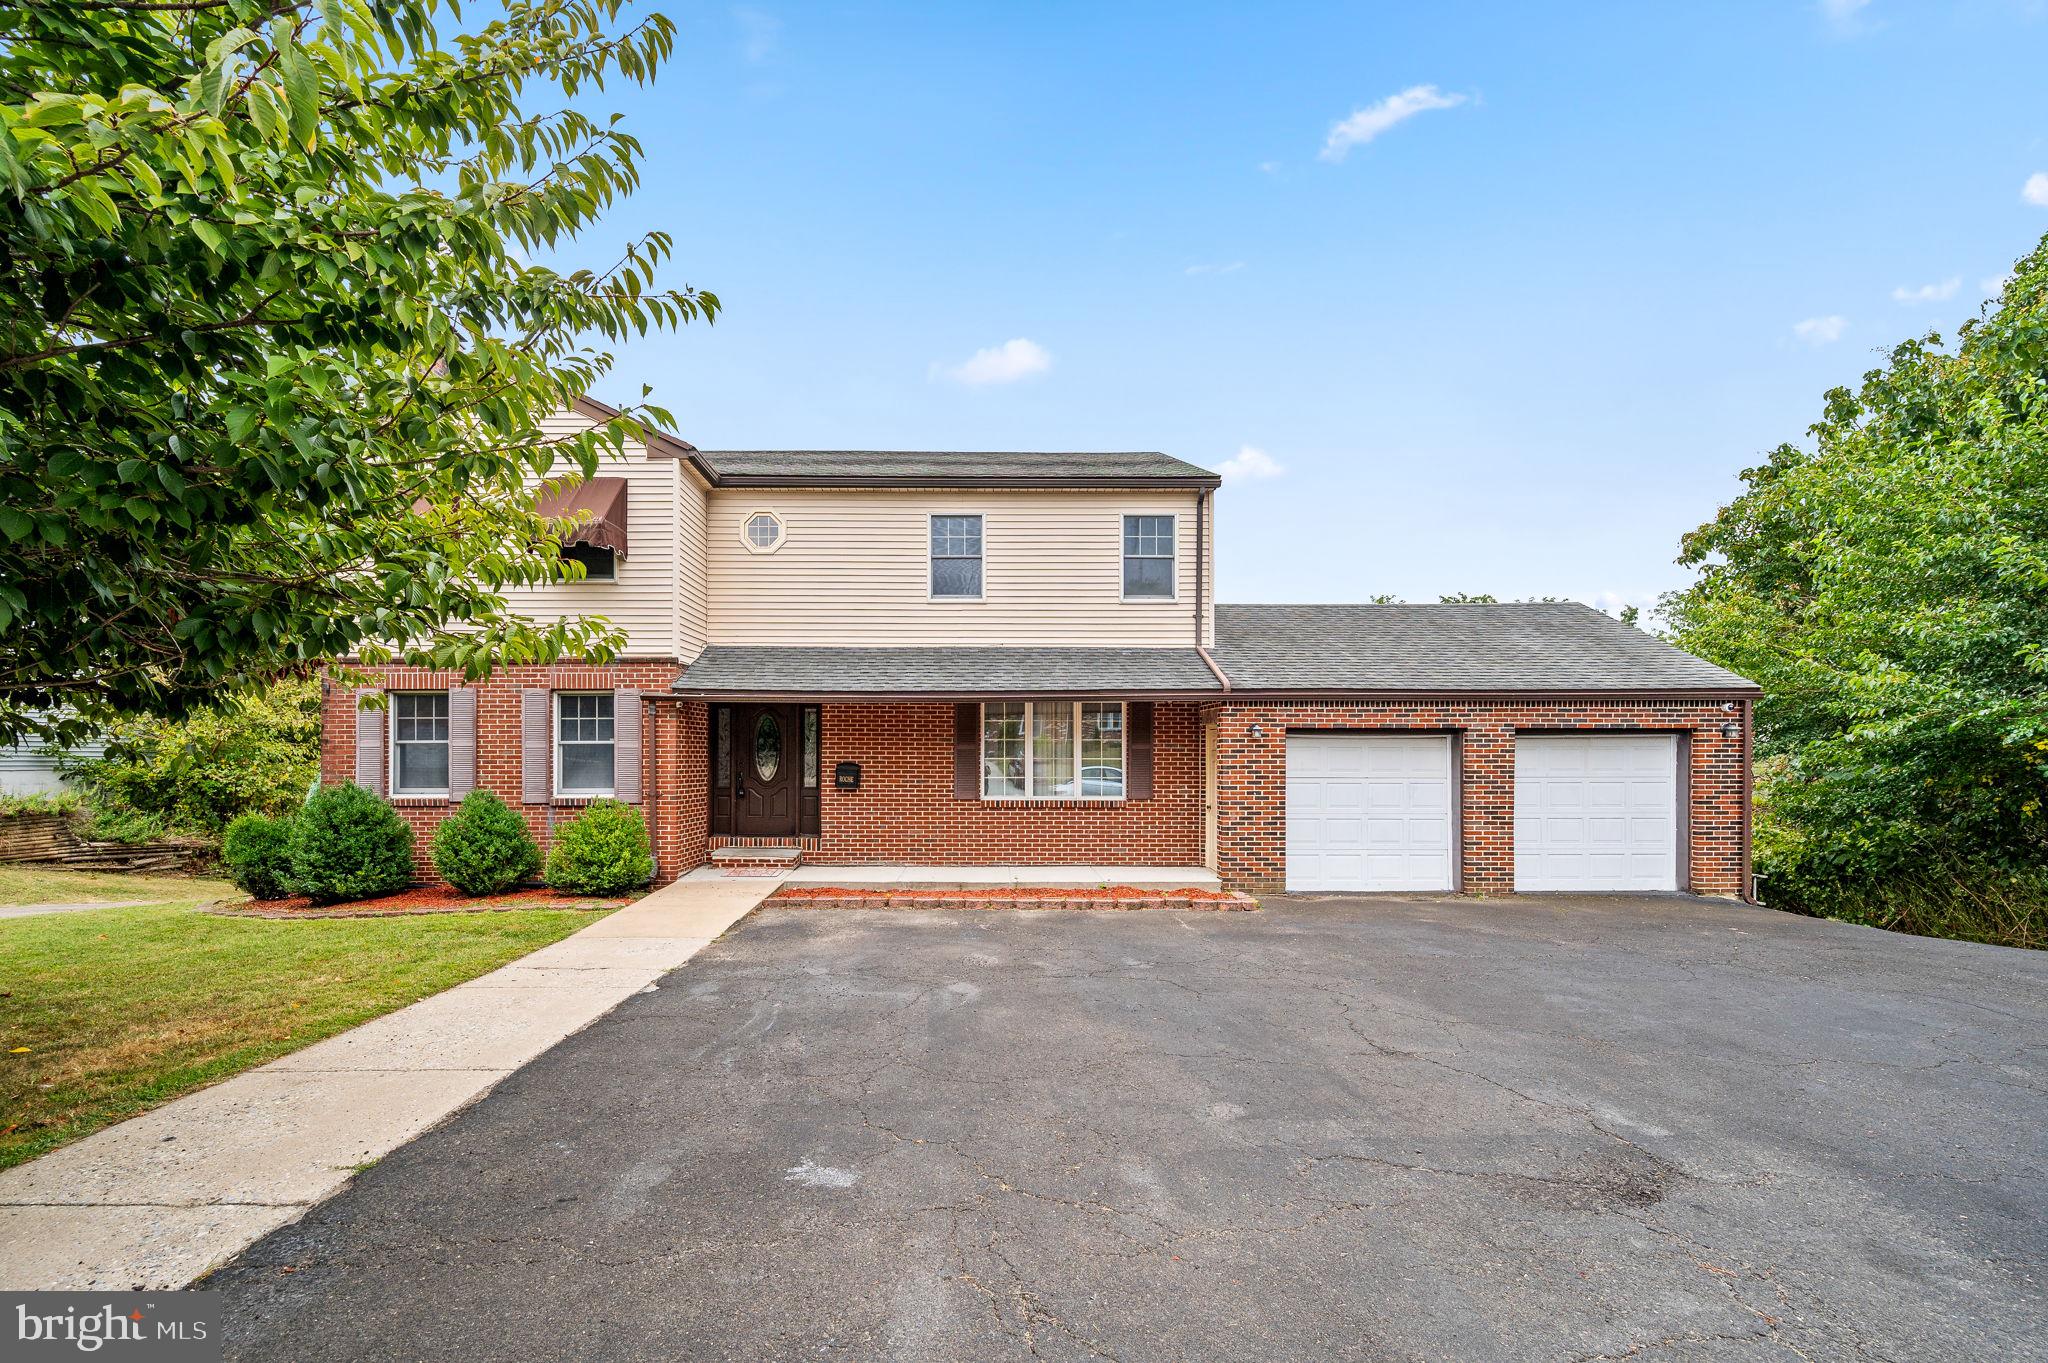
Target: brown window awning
{"points": [[603, 498]]}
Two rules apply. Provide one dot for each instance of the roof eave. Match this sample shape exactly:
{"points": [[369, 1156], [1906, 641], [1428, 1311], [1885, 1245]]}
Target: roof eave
{"points": [[682, 692], [742, 480], [1240, 692]]}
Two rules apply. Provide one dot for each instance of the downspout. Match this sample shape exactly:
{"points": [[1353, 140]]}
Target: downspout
{"points": [[650, 784], [1748, 888]]}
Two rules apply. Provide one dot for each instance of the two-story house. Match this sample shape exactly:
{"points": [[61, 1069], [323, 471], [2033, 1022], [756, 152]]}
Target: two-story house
{"points": [[952, 658]]}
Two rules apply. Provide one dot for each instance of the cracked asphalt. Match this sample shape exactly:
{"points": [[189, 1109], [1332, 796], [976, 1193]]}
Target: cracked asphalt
{"points": [[1648, 1129]]}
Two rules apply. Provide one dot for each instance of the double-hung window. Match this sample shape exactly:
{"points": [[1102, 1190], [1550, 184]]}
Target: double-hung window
{"points": [[584, 744], [1052, 750], [1148, 558], [419, 743], [956, 557]]}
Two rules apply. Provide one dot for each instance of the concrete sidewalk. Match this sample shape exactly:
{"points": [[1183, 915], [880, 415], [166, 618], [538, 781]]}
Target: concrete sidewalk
{"points": [[157, 1200]]}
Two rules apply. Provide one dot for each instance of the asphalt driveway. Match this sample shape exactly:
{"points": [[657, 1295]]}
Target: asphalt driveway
{"points": [[1650, 1129]]}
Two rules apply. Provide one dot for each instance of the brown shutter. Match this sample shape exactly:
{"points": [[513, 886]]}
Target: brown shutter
{"points": [[967, 752], [369, 744], [461, 742], [1138, 754], [536, 749], [626, 746]]}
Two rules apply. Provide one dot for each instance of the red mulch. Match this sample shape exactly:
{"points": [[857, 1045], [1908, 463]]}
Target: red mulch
{"points": [[424, 899], [1008, 897]]}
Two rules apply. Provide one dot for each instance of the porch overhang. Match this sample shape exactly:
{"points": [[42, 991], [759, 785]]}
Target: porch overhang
{"points": [[777, 673]]}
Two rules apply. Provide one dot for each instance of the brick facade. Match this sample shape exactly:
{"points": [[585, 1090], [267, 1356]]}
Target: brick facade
{"points": [[906, 811], [1252, 778], [497, 743]]}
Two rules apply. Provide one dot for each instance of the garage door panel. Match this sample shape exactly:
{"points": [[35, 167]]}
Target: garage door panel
{"points": [[1596, 812], [1368, 812]]}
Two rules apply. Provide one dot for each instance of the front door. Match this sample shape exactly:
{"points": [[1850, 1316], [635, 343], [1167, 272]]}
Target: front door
{"points": [[767, 763]]}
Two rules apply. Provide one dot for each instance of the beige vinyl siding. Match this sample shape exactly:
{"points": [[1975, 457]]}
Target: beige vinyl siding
{"points": [[853, 569], [692, 597], [643, 601]]}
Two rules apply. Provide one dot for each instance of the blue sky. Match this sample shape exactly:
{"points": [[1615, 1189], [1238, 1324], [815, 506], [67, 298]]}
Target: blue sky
{"points": [[1515, 331]]}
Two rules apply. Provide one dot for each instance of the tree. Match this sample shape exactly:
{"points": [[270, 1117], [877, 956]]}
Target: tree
{"points": [[273, 363], [255, 753], [1888, 588]]}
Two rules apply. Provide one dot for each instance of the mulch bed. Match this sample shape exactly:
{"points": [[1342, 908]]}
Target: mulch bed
{"points": [[406, 903], [1009, 897]]}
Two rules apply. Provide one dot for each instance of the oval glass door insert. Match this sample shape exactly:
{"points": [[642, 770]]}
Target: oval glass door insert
{"points": [[767, 746]]}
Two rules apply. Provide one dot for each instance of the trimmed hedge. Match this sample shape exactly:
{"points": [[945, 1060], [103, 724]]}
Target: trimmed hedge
{"points": [[602, 851], [348, 844], [483, 847], [258, 851]]}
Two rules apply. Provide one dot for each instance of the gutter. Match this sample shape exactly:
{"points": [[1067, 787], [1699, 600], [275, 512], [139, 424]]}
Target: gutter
{"points": [[923, 480]]}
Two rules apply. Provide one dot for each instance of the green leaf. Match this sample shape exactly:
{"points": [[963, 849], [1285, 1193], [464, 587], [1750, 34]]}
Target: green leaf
{"points": [[302, 93]]}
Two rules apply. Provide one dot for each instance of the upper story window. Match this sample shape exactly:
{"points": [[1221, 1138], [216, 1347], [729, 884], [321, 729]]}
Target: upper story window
{"points": [[584, 743], [599, 564], [419, 743], [762, 532], [1148, 557], [956, 557], [1052, 750]]}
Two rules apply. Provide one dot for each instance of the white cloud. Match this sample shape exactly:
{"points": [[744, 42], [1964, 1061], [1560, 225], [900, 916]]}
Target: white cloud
{"points": [[1820, 330], [2035, 190], [1249, 465], [1994, 284], [1369, 122], [759, 32], [1006, 363], [1219, 268], [1269, 167], [1843, 15], [1928, 293]]}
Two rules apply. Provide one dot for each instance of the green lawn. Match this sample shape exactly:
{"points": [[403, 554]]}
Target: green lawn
{"points": [[122, 1009], [42, 885]]}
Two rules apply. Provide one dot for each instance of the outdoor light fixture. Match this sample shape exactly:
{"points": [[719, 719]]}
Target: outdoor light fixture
{"points": [[1258, 731], [1731, 730]]}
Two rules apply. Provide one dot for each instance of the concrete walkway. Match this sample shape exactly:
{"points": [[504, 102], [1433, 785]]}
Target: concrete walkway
{"points": [[158, 1200]]}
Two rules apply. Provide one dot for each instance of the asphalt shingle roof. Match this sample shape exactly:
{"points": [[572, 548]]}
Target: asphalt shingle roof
{"points": [[726, 669], [1529, 646], [771, 467], [1538, 646]]}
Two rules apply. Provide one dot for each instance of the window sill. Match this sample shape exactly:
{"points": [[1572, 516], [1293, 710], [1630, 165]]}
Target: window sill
{"points": [[415, 797], [1053, 802], [582, 797]]}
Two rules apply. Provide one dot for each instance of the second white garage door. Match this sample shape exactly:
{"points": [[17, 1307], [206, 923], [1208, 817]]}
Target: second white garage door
{"points": [[1368, 812], [1596, 812]]}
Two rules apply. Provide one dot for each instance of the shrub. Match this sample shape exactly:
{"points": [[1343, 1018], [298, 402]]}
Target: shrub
{"points": [[602, 851], [483, 847], [258, 852], [249, 754], [348, 844]]}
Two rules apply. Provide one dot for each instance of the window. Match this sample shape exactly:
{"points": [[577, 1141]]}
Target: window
{"points": [[1052, 750], [419, 743], [599, 564], [762, 532], [1148, 557], [583, 743], [956, 557]]}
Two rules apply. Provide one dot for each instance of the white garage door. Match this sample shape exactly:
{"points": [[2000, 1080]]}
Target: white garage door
{"points": [[1368, 812], [1596, 812]]}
